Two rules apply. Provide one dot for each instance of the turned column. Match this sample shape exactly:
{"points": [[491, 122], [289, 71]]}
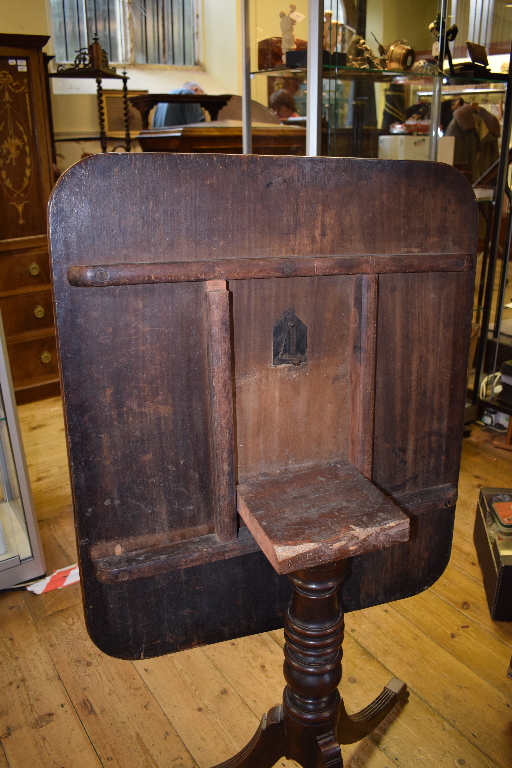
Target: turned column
{"points": [[314, 626]]}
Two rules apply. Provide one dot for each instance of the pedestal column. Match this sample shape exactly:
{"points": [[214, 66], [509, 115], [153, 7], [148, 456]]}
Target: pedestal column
{"points": [[314, 626]]}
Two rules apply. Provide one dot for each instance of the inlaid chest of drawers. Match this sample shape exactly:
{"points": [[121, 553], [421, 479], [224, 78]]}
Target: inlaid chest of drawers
{"points": [[26, 178]]}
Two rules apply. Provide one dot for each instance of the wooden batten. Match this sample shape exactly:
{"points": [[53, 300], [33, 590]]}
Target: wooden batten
{"points": [[221, 401], [171, 557], [362, 378], [148, 273]]}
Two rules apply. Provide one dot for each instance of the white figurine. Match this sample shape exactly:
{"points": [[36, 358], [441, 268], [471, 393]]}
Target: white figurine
{"points": [[332, 33], [288, 38]]}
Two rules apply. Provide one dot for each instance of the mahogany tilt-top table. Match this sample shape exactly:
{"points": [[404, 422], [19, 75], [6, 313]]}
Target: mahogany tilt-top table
{"points": [[264, 366]]}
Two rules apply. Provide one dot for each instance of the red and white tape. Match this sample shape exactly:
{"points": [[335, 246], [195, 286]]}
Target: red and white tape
{"points": [[61, 578]]}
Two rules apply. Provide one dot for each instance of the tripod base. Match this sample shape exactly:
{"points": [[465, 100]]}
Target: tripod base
{"points": [[312, 722], [268, 744]]}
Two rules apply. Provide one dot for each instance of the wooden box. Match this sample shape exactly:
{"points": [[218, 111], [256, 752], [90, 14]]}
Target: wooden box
{"points": [[494, 556]]}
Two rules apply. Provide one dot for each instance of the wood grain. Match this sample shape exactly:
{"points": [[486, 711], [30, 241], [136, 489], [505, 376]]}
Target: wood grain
{"points": [[465, 639], [411, 443], [63, 531], [479, 706], [254, 666], [464, 558], [42, 431], [291, 417], [419, 735], [144, 563], [203, 704], [38, 723], [468, 596], [251, 268], [425, 499], [136, 368], [56, 557], [222, 410], [312, 518], [117, 711], [362, 381]]}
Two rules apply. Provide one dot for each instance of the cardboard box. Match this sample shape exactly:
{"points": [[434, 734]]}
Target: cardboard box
{"points": [[402, 147], [494, 555]]}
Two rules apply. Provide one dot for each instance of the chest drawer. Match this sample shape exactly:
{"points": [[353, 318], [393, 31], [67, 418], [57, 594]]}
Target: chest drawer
{"points": [[33, 362], [27, 312], [24, 268]]}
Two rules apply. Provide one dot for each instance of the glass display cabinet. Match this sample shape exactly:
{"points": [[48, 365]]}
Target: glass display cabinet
{"points": [[405, 79], [21, 556], [363, 88], [363, 74]]}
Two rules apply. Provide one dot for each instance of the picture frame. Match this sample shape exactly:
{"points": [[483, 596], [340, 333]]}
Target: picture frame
{"points": [[114, 113]]}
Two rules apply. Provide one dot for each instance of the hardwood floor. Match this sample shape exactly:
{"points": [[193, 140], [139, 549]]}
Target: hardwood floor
{"points": [[63, 704]]}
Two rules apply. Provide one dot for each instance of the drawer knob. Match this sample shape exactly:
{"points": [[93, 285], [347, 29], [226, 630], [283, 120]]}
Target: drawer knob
{"points": [[46, 357], [34, 268], [39, 311]]}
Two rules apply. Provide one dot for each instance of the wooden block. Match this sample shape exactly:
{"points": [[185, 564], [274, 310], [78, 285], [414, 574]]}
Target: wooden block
{"points": [[221, 399], [309, 518], [218, 271], [170, 557], [362, 377]]}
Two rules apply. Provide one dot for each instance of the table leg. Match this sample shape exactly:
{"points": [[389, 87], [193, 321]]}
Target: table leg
{"points": [[266, 746], [312, 721]]}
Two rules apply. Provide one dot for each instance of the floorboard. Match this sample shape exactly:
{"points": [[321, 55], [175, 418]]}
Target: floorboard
{"points": [[120, 715], [64, 704]]}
